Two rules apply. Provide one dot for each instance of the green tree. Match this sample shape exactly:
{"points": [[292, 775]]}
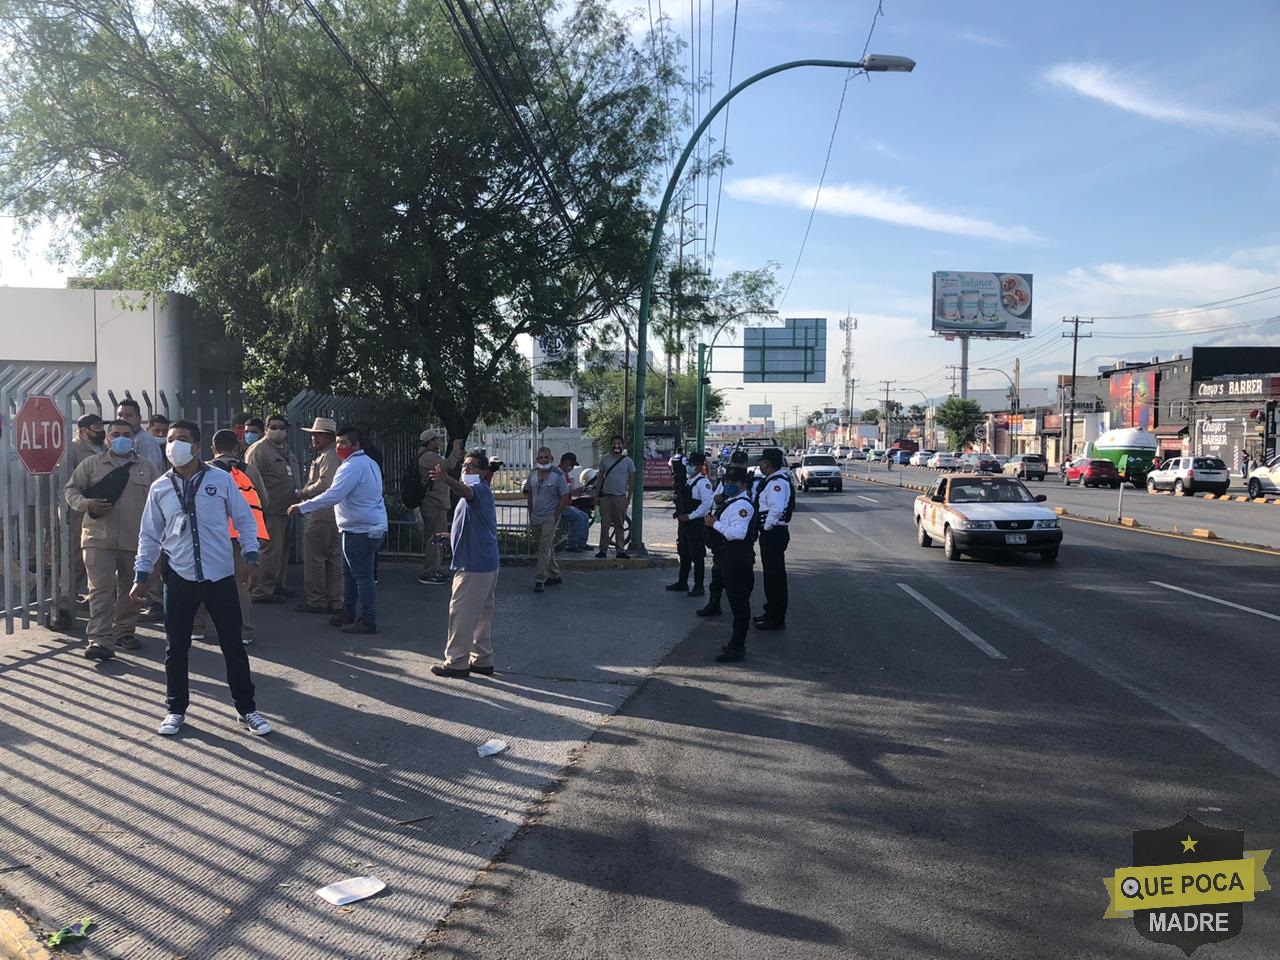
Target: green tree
{"points": [[392, 242], [604, 398], [959, 418], [871, 416]]}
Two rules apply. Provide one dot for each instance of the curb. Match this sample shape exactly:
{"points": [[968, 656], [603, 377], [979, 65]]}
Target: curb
{"points": [[17, 940], [652, 561]]}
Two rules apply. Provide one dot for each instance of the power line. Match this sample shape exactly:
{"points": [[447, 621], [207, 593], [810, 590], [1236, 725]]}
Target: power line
{"points": [[359, 70], [724, 137], [1227, 304]]}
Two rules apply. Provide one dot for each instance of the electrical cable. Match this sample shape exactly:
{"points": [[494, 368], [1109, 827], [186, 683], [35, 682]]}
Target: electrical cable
{"points": [[1226, 304], [724, 137]]}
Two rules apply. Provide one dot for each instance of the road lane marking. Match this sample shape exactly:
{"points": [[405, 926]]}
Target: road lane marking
{"points": [[1225, 603], [822, 525], [872, 499], [954, 624], [1268, 551]]}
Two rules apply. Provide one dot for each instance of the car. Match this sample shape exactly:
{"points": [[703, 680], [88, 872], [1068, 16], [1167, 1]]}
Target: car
{"points": [[921, 458], [1027, 466], [819, 470], [1265, 479], [877, 456], [975, 513], [983, 463], [943, 461], [856, 454], [900, 457], [1092, 472], [1001, 459], [840, 451], [1185, 475]]}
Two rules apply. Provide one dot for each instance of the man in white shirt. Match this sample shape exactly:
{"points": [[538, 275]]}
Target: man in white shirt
{"points": [[356, 498], [773, 497], [186, 516], [695, 503]]}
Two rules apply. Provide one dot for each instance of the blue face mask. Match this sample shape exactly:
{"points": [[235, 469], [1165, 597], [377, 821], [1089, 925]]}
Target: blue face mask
{"points": [[251, 437], [122, 446], [731, 489]]}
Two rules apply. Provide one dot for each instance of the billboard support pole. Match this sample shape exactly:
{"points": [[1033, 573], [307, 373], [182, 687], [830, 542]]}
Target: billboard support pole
{"points": [[964, 366]]}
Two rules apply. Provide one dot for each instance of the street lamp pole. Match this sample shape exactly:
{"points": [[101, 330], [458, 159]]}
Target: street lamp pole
{"points": [[874, 63], [705, 363], [1013, 391]]}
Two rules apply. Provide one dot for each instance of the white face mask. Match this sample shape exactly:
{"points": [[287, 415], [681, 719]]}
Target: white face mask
{"points": [[471, 479], [544, 466], [179, 452]]}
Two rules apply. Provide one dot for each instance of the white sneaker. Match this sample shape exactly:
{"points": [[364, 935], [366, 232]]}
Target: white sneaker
{"points": [[255, 723], [172, 724]]}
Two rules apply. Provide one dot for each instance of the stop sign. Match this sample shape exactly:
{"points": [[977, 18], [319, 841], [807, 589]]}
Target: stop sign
{"points": [[38, 435]]}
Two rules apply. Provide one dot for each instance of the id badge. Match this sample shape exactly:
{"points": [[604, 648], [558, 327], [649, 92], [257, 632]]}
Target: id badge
{"points": [[177, 525]]}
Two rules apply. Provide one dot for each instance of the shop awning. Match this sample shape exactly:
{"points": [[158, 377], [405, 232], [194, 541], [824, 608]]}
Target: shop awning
{"points": [[1170, 429]]}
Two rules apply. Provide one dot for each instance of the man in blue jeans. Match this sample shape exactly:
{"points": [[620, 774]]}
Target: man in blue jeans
{"points": [[356, 498], [577, 521]]}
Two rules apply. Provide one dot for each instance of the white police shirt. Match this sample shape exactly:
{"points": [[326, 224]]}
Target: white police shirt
{"points": [[700, 488], [773, 498], [200, 550], [735, 519]]}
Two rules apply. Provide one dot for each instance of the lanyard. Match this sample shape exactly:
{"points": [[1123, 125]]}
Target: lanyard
{"points": [[187, 501]]}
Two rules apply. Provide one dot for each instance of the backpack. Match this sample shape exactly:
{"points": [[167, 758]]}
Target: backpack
{"points": [[412, 489]]}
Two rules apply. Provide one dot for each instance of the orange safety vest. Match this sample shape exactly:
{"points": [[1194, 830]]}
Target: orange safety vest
{"points": [[250, 494]]}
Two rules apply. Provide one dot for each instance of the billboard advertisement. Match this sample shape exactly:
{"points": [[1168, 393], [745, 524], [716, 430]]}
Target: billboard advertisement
{"points": [[793, 353], [982, 304], [1132, 400], [761, 410]]}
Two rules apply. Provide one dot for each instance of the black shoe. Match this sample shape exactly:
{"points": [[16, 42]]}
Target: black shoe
{"points": [[771, 625], [710, 610], [286, 593], [341, 620], [730, 655], [682, 587], [760, 619], [551, 582], [308, 608], [96, 651], [601, 555], [538, 588], [440, 670], [622, 556], [269, 598], [697, 591], [483, 671]]}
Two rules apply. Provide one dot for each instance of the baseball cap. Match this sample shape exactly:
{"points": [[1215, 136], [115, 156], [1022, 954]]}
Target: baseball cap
{"points": [[88, 420], [426, 436], [571, 457]]}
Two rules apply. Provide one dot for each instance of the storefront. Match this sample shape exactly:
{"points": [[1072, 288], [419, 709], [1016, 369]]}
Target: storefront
{"points": [[1235, 413], [1173, 439]]}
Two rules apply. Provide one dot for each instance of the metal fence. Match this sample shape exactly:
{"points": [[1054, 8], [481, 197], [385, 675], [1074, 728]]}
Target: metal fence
{"points": [[516, 540]]}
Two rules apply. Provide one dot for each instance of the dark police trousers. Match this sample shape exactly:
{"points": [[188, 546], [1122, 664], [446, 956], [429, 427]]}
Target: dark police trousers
{"points": [[736, 563], [221, 599], [691, 548], [773, 569]]}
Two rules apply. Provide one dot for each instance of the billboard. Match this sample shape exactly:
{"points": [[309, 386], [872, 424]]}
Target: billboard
{"points": [[1132, 400], [793, 353], [982, 304], [761, 410]]}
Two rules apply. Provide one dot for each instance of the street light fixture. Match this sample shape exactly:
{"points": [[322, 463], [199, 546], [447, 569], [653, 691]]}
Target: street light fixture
{"points": [[873, 63], [1013, 391]]}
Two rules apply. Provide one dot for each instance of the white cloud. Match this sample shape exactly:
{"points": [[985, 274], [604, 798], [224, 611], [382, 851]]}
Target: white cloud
{"points": [[874, 203], [1102, 83], [981, 39]]}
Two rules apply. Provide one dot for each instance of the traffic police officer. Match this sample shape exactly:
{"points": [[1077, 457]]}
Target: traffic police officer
{"points": [[736, 459], [732, 543], [773, 495], [695, 502]]}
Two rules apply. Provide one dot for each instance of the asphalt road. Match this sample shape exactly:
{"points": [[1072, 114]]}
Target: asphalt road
{"points": [[1256, 522], [872, 783]]}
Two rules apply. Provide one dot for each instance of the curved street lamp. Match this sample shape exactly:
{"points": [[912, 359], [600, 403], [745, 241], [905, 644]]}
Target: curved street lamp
{"points": [[704, 371], [873, 63], [1013, 391]]}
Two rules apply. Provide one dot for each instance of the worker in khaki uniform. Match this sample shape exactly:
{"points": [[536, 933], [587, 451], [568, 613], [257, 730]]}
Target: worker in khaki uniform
{"points": [[110, 489], [321, 543], [226, 456], [435, 504], [280, 473], [91, 436]]}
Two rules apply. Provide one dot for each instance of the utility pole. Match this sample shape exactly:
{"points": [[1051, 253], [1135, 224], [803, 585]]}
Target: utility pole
{"points": [[887, 422], [1075, 336], [1017, 385], [953, 376], [848, 325]]}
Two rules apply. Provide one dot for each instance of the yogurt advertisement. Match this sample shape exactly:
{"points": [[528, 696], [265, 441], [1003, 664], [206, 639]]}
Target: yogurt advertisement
{"points": [[982, 304]]}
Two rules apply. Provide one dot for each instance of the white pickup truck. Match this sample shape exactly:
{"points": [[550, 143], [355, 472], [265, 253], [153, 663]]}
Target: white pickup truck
{"points": [[819, 470]]}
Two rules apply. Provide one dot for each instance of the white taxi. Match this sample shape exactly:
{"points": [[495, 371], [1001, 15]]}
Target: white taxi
{"points": [[974, 513]]}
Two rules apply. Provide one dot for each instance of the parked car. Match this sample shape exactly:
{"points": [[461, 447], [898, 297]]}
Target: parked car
{"points": [[841, 451], [819, 470], [984, 463], [1027, 466], [921, 458], [878, 456], [943, 461], [972, 513], [900, 457], [1092, 472], [1265, 479], [856, 454], [1185, 475]]}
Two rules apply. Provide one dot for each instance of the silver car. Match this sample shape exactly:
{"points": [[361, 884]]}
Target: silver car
{"points": [[1185, 475]]}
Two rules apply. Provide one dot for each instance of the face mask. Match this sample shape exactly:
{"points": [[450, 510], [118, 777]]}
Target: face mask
{"points": [[179, 453], [344, 452], [277, 434], [471, 479], [544, 466], [617, 449], [250, 437], [731, 489], [122, 446]]}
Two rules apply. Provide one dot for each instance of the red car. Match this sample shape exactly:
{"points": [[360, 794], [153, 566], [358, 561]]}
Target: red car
{"points": [[1092, 473]]}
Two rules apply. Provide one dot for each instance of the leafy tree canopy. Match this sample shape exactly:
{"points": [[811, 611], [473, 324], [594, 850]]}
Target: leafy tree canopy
{"points": [[960, 419]]}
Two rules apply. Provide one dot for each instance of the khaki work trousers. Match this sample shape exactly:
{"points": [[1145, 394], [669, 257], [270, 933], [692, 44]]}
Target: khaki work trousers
{"points": [[470, 620], [322, 564], [112, 612], [613, 510], [75, 523], [435, 519], [246, 602], [275, 556], [548, 566]]}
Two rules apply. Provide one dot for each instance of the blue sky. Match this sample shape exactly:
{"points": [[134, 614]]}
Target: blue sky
{"points": [[1126, 154]]}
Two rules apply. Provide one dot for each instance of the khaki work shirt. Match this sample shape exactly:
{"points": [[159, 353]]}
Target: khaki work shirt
{"points": [[280, 475], [319, 479], [117, 529], [437, 493]]}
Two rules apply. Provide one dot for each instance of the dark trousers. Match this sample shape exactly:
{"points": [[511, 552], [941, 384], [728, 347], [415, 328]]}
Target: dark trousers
{"points": [[773, 570], [739, 577], [359, 572], [717, 582], [692, 550], [221, 599]]}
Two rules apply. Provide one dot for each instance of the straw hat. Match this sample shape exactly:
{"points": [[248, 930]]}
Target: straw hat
{"points": [[322, 425]]}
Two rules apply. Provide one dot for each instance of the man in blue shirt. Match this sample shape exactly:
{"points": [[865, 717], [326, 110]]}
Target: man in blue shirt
{"points": [[356, 498], [186, 516], [475, 558]]}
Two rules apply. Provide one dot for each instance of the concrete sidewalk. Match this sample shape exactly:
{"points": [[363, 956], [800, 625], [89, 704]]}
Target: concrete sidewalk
{"points": [[210, 844]]}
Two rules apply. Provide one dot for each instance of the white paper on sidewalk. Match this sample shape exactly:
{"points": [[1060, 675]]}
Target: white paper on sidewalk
{"points": [[491, 746], [351, 890]]}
